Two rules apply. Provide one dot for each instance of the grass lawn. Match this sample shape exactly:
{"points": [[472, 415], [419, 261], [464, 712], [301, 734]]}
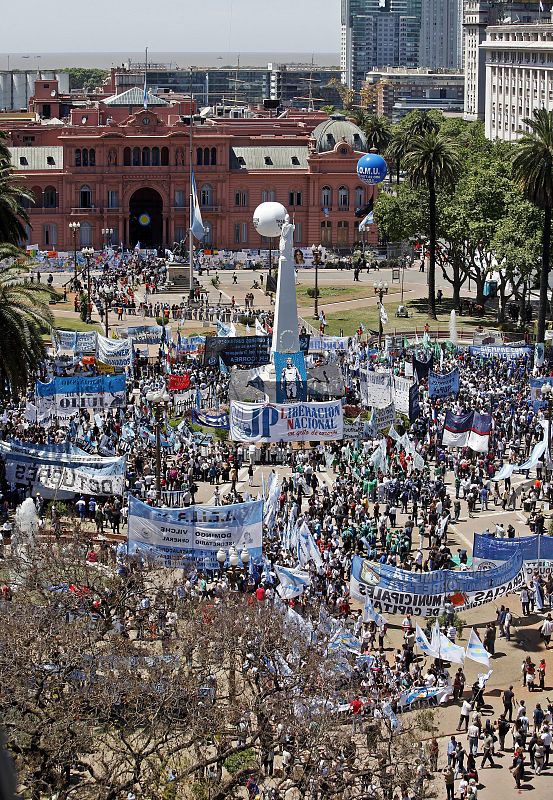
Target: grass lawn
{"points": [[349, 320], [73, 324], [335, 294]]}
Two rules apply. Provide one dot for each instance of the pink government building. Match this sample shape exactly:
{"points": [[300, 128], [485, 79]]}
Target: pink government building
{"points": [[113, 165]]}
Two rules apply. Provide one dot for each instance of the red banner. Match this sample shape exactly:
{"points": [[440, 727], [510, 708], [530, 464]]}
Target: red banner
{"points": [[179, 382]]}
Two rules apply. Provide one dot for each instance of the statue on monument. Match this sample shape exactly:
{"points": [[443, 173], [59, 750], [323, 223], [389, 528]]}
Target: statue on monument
{"points": [[287, 239]]}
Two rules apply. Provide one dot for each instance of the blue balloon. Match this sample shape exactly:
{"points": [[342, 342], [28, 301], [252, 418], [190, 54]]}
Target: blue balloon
{"points": [[372, 168]]}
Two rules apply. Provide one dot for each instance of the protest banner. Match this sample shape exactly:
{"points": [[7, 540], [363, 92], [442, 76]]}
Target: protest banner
{"points": [[376, 388], [509, 353], [244, 351], [184, 536], [179, 383], [108, 481], [116, 352], [537, 553], [395, 591], [267, 422], [323, 344], [384, 417], [291, 377], [146, 334], [443, 385], [76, 341], [65, 397], [402, 388]]}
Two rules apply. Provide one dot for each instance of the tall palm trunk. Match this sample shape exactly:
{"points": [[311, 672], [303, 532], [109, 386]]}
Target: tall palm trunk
{"points": [[544, 275], [432, 265]]}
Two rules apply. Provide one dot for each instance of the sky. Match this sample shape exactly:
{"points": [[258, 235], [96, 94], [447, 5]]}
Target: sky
{"points": [[170, 25]]}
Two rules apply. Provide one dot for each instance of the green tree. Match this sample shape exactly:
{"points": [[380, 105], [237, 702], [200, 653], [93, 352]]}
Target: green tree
{"points": [[85, 77], [13, 197], [419, 123], [24, 317], [378, 132], [432, 161], [533, 170], [397, 147]]}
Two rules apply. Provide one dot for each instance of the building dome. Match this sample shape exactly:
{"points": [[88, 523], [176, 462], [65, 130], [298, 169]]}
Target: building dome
{"points": [[334, 130]]}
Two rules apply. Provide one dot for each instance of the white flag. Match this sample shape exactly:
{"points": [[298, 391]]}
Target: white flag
{"points": [[383, 314]]}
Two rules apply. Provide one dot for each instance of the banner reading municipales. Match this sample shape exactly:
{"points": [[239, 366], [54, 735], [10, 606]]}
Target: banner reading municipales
{"points": [[180, 536], [267, 422], [395, 591], [65, 397]]}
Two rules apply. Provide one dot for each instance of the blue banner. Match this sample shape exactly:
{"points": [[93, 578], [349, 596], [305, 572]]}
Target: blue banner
{"points": [[395, 591], [490, 549], [443, 385], [291, 377], [64, 398], [182, 537], [492, 351]]}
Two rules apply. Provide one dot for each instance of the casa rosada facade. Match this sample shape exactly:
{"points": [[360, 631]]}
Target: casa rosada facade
{"points": [[122, 172]]}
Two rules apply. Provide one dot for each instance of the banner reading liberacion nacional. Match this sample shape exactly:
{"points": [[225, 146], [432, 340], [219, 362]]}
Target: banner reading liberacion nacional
{"points": [[64, 398], [290, 422], [182, 536], [395, 591]]}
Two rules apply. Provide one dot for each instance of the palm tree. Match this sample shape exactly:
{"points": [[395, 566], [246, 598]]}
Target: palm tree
{"points": [[432, 161], [24, 317], [533, 171], [13, 198], [377, 131], [397, 148], [420, 122]]}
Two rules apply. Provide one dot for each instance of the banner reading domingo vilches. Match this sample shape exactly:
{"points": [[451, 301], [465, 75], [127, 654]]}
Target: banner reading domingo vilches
{"points": [[180, 536], [290, 422], [395, 591]]}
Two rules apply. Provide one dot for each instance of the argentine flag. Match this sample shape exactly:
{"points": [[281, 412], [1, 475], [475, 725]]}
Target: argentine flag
{"points": [[369, 220], [196, 225], [476, 650]]}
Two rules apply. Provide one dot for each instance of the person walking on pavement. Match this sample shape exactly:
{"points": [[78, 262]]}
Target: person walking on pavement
{"points": [[508, 699], [487, 747]]}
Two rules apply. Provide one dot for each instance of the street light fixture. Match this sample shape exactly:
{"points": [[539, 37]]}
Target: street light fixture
{"points": [[317, 251], [159, 400], [88, 253], [107, 233], [380, 289], [75, 227]]}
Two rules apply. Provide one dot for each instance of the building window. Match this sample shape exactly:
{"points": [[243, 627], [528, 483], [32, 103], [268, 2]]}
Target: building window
{"points": [[155, 157], [37, 192], [78, 157], [85, 197], [113, 199], [164, 156], [207, 159], [206, 195], [298, 233], [145, 156], [213, 156], [127, 157], [240, 232], [50, 197], [180, 234], [92, 157], [268, 196], [85, 157], [343, 234], [208, 238], [296, 198], [326, 233], [343, 198], [50, 236], [180, 198], [359, 197], [237, 230], [200, 157], [241, 199], [326, 197], [86, 234], [136, 156]]}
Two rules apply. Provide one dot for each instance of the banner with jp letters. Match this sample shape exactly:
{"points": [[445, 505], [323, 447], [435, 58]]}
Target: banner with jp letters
{"points": [[289, 422], [64, 398], [182, 536], [395, 591], [443, 385]]}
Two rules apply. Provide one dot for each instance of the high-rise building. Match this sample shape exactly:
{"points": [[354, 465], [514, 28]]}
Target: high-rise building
{"points": [[378, 33], [441, 44], [478, 15]]}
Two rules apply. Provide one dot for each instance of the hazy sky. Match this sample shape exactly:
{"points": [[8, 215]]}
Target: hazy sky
{"points": [[170, 25]]}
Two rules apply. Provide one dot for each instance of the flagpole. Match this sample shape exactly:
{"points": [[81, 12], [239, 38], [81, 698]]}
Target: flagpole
{"points": [[191, 210], [146, 78]]}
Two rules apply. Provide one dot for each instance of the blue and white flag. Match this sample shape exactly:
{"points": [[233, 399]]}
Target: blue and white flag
{"points": [[476, 650], [368, 220], [197, 225], [292, 582], [370, 614], [451, 652], [388, 712], [307, 548], [423, 644], [211, 420]]}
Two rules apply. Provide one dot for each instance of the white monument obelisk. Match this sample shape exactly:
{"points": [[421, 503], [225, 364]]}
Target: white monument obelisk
{"points": [[285, 327]]}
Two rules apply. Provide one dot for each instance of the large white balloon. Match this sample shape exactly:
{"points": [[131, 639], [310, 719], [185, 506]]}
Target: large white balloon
{"points": [[268, 219]]}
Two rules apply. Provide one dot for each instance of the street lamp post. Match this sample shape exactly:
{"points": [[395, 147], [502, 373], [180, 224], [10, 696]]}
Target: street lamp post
{"points": [[158, 400], [234, 560], [74, 227], [317, 252], [88, 252], [107, 233], [380, 289], [547, 394]]}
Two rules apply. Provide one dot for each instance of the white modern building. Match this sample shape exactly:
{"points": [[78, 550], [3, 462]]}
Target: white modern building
{"points": [[18, 86], [478, 16], [519, 77]]}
